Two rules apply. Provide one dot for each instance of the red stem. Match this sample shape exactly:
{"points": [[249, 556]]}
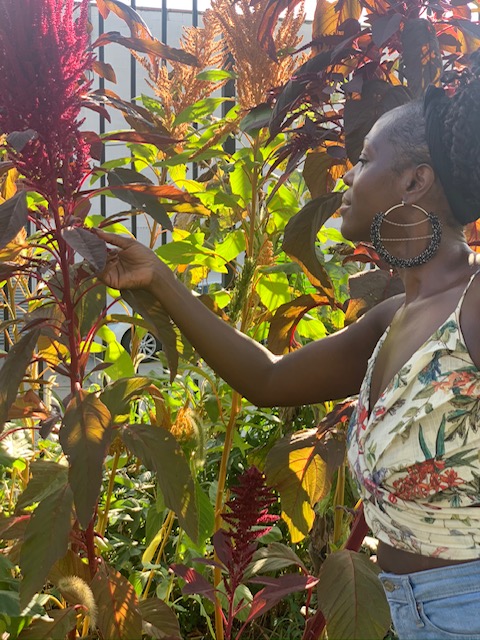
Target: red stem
{"points": [[90, 540]]}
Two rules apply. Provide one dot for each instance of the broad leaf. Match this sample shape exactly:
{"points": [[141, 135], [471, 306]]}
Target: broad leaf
{"points": [[47, 478], [140, 137], [195, 583], [284, 323], [12, 371], [63, 621], [150, 46], [13, 528], [13, 217], [85, 438], [160, 452], [300, 467], [269, 20], [277, 589], [384, 26], [373, 286], [46, 540], [378, 97], [90, 302], [70, 565], [158, 620], [200, 110], [273, 557], [159, 323], [118, 395], [104, 70], [126, 13], [422, 59], [300, 238], [118, 611], [88, 245], [321, 171], [352, 597]]}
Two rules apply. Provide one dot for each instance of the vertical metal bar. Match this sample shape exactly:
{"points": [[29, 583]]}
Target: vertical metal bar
{"points": [[195, 13], [164, 21], [133, 94]]}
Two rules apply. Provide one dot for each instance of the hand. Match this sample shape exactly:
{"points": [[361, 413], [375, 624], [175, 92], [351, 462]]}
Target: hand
{"points": [[131, 265]]}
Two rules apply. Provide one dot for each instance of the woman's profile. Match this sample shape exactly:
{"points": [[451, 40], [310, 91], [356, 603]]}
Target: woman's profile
{"points": [[414, 359]]}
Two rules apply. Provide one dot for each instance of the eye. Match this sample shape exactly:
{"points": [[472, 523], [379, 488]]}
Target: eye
{"points": [[362, 160]]}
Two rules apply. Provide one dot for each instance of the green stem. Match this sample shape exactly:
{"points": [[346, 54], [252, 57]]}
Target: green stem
{"points": [[339, 502], [102, 524]]}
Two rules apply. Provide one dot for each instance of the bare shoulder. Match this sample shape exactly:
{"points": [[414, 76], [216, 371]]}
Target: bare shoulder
{"points": [[469, 320]]}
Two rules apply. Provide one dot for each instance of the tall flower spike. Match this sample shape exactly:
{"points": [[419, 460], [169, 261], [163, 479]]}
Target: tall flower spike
{"points": [[43, 59], [249, 519]]}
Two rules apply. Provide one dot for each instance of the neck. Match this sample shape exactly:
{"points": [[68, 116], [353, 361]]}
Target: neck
{"points": [[449, 264]]}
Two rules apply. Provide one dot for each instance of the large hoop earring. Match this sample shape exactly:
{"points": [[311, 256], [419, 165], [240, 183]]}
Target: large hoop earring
{"points": [[406, 263]]}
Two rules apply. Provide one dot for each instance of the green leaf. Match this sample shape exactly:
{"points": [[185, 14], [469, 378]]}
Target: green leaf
{"points": [[90, 305], [10, 604], [46, 540], [118, 395], [301, 235], [121, 363], [85, 438], [352, 597], [258, 118], [200, 110], [13, 369], [274, 557], [215, 75], [232, 246], [13, 217], [160, 452], [63, 621], [118, 610], [422, 58], [159, 621], [47, 477], [159, 322], [300, 467]]}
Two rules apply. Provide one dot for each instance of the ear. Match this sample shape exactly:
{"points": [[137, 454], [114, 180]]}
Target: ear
{"points": [[417, 183]]}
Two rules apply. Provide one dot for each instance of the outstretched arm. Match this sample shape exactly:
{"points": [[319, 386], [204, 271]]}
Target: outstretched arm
{"points": [[324, 370]]}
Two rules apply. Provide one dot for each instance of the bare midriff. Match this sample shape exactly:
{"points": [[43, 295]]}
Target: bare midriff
{"points": [[397, 561]]}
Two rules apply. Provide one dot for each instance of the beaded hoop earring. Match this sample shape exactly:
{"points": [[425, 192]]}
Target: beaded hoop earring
{"points": [[406, 263]]}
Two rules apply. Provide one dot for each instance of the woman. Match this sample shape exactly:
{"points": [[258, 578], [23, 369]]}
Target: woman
{"points": [[413, 444]]}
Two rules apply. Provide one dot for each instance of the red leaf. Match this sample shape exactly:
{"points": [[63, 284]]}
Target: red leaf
{"points": [[269, 20], [88, 245], [104, 70], [152, 47], [196, 583], [277, 589], [13, 217], [18, 140], [222, 543]]}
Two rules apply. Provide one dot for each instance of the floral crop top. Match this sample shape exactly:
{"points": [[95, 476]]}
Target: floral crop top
{"points": [[416, 455]]}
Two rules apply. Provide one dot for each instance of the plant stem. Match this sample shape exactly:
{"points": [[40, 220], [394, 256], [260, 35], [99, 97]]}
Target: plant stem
{"points": [[222, 476], [90, 542], [167, 529], [102, 523], [339, 502]]}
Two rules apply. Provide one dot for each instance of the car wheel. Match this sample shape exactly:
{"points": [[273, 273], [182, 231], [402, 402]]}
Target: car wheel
{"points": [[148, 347]]}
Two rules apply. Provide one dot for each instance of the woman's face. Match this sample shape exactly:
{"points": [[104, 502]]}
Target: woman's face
{"points": [[374, 186]]}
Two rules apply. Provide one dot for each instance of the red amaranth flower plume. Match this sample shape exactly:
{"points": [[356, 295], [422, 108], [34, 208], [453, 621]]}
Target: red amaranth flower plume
{"points": [[249, 519], [43, 59]]}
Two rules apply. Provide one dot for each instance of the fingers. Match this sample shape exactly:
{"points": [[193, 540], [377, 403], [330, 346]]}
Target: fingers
{"points": [[113, 238]]}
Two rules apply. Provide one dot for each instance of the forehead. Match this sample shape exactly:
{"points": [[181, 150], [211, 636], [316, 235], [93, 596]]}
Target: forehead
{"points": [[378, 138]]}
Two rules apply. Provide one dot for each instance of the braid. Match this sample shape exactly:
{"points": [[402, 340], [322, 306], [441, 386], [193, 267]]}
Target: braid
{"points": [[461, 136]]}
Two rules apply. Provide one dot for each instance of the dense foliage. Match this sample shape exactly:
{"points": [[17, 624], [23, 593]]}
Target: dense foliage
{"points": [[149, 499]]}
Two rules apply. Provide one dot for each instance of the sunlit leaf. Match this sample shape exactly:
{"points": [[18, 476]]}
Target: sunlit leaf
{"points": [[270, 17], [160, 452], [85, 438], [47, 478], [141, 137], [195, 582], [286, 318], [118, 610], [88, 245], [118, 395], [13, 217], [150, 46], [46, 540], [300, 467], [137, 25], [90, 301], [320, 172], [62, 622], [104, 70], [70, 565], [12, 371], [200, 110], [422, 59], [158, 620], [276, 589], [300, 239], [159, 322], [352, 597]]}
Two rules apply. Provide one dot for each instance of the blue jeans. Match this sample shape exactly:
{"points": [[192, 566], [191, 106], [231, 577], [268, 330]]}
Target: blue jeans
{"points": [[438, 604]]}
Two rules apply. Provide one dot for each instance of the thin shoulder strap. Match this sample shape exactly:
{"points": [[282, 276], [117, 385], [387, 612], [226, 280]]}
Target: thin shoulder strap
{"points": [[460, 302]]}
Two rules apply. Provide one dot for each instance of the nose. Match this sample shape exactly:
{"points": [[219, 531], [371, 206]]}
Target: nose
{"points": [[348, 177]]}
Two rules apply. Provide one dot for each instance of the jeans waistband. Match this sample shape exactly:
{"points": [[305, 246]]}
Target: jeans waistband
{"points": [[432, 584]]}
